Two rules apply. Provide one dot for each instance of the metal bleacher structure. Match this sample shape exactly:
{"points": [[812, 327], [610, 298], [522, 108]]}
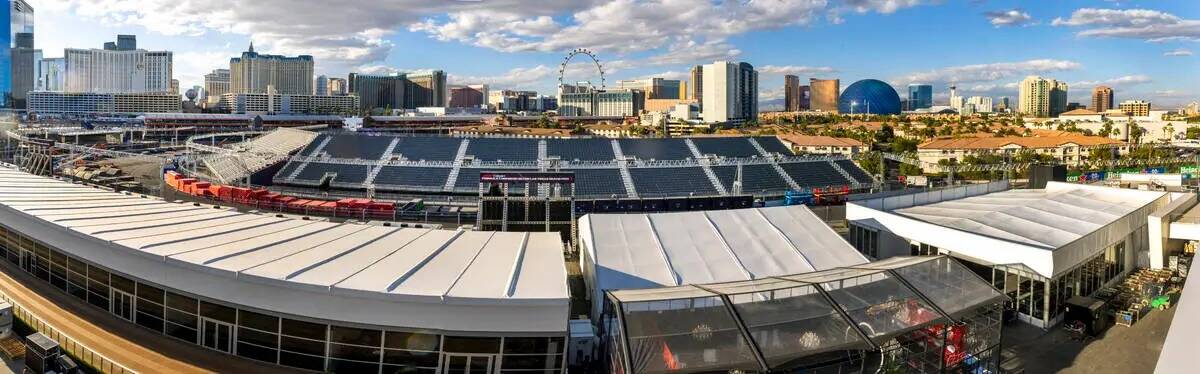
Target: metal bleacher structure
{"points": [[233, 162], [603, 168]]}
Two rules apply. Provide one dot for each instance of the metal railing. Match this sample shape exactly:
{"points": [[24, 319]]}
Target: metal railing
{"points": [[65, 341]]}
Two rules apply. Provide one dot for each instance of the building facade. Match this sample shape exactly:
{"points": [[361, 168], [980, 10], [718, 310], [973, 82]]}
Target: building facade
{"points": [[117, 70], [512, 101], [26, 62], [338, 86], [216, 85], [112, 103], [655, 88], [425, 89], [822, 145], [20, 20], [469, 96], [730, 91], [791, 93], [321, 86], [697, 75], [1136, 108], [824, 94], [920, 96], [378, 91], [52, 74], [242, 103], [1102, 99], [1041, 97], [1070, 150], [255, 73], [980, 104]]}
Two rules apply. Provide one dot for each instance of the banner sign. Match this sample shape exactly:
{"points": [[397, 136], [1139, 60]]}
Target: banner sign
{"points": [[525, 177]]}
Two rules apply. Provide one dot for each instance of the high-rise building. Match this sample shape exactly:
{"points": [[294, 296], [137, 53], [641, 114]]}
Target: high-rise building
{"points": [[425, 89], [118, 71], [20, 20], [981, 104], [1073, 106], [321, 86], [957, 102], [469, 96], [216, 85], [824, 94], [1102, 99], [615, 103], [791, 93], [1004, 106], [25, 64], [730, 91], [920, 96], [338, 87], [514, 101], [1135, 108], [1041, 97], [655, 88], [378, 91], [52, 74], [254, 73], [697, 75]]}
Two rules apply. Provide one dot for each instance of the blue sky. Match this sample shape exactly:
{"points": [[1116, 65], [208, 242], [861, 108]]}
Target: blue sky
{"points": [[1144, 49]]}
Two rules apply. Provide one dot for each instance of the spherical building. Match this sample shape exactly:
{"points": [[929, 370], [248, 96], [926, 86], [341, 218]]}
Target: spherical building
{"points": [[869, 96]]}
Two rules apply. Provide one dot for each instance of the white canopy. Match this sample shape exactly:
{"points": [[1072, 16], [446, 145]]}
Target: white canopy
{"points": [[457, 281], [634, 251], [1048, 230]]}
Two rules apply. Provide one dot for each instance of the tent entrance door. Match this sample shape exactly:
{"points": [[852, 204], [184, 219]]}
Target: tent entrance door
{"points": [[468, 364]]}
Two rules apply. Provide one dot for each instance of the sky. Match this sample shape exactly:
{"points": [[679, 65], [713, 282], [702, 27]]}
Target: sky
{"points": [[1143, 49]]}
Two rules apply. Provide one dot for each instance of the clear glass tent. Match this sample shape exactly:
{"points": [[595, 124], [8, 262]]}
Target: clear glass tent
{"points": [[911, 314]]}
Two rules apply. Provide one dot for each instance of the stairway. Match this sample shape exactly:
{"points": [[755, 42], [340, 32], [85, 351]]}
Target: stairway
{"points": [[458, 161], [387, 154], [626, 178], [712, 176], [845, 174], [316, 151]]}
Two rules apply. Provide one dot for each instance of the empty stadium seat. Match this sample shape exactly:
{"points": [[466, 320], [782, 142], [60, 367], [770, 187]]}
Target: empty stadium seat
{"points": [[598, 183], [401, 177], [756, 179], [357, 146], [726, 147], [351, 174], [656, 149], [810, 174], [580, 149], [429, 148], [856, 172], [773, 145], [491, 149], [675, 181]]}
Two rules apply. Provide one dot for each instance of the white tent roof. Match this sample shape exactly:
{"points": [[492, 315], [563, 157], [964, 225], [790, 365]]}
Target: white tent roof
{"points": [[465, 281], [632, 251], [1048, 230]]}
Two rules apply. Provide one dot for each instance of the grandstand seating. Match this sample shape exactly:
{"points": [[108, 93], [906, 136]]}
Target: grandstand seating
{"points": [[856, 172], [357, 146], [755, 178], [314, 171], [656, 149], [675, 181], [421, 178], [494, 149], [580, 149], [814, 174], [598, 182], [773, 145], [428, 148], [726, 147]]}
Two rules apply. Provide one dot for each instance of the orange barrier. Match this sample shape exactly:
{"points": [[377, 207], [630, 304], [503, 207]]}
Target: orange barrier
{"points": [[264, 199]]}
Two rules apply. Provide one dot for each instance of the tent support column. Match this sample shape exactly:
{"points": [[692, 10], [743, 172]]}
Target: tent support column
{"points": [[741, 325]]}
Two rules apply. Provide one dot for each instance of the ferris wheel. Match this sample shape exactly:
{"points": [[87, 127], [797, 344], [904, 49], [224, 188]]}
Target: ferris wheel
{"points": [[562, 68]]}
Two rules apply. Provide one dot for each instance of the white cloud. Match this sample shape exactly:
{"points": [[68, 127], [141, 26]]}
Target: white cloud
{"points": [[190, 67], [795, 70], [518, 78], [1180, 52], [1128, 80], [979, 73], [1013, 17], [1144, 24], [692, 52]]}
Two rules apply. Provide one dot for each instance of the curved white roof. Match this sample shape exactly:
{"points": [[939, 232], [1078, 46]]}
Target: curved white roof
{"points": [[463, 281]]}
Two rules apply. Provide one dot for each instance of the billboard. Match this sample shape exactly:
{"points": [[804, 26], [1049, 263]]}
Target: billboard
{"points": [[526, 177]]}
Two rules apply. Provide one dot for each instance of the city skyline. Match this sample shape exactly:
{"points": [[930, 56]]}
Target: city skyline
{"points": [[1137, 48]]}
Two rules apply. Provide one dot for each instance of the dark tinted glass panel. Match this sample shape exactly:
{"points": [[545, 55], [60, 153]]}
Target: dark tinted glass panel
{"points": [[77, 266], [181, 302], [413, 341], [353, 352], [150, 293], [98, 274], [182, 318], [218, 312], [303, 329], [532, 346], [393, 369], [257, 337], [532, 362], [350, 335], [121, 283], [150, 309], [314, 363], [182, 333], [311, 347], [472, 345], [258, 321], [258, 353], [339, 366], [413, 358], [149, 321], [97, 300]]}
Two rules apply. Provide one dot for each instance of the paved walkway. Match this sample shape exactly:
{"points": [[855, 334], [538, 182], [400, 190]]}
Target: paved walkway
{"points": [[1119, 350], [137, 348]]}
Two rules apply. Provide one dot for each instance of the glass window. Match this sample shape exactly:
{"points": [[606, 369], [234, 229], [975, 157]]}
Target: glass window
{"points": [[314, 363], [531, 346], [258, 321], [298, 345], [149, 293], [181, 302], [532, 362], [255, 352], [258, 338], [181, 333], [341, 366], [462, 344], [303, 329], [392, 369], [354, 352], [412, 341], [149, 320], [411, 358], [350, 335], [99, 275], [181, 318], [218, 312], [121, 283], [77, 266]]}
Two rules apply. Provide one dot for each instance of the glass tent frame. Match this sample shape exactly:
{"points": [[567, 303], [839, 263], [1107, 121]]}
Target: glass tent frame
{"points": [[904, 314]]}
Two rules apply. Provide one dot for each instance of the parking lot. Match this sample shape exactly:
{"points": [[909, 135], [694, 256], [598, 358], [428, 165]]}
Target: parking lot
{"points": [[1119, 349]]}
